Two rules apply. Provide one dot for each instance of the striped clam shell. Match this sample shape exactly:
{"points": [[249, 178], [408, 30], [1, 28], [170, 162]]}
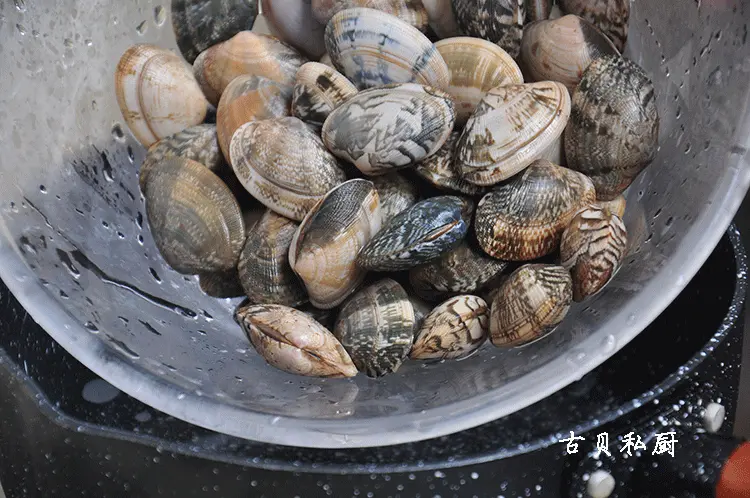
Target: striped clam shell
{"points": [[293, 22], [614, 127], [324, 249], [442, 19], [420, 234], [391, 127], [373, 48], [441, 171], [318, 90], [455, 329], [530, 304], [292, 341], [476, 66], [592, 249], [537, 10], [396, 194], [610, 16], [498, 21], [376, 327], [524, 218], [284, 165], [512, 126], [410, 11]]}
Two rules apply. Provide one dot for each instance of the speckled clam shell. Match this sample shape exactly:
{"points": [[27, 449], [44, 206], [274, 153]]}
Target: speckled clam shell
{"points": [[524, 218], [616, 206], [264, 270], [410, 11], [610, 16], [442, 19], [420, 234], [396, 194], [195, 220], [512, 126], [249, 98], [592, 249], [537, 10], [391, 127], [324, 249], [476, 66], [498, 21], [221, 285], [157, 94], [454, 329], [376, 327], [198, 143], [373, 48], [293, 22], [318, 90], [245, 53], [562, 49], [614, 127], [284, 165], [292, 341], [530, 304], [459, 271], [441, 170], [200, 24]]}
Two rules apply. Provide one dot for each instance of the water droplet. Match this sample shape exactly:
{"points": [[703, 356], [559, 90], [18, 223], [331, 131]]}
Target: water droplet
{"points": [[105, 224], [155, 275], [181, 396], [609, 343], [631, 319], [142, 28], [160, 15], [474, 475], [68, 43], [140, 239], [121, 235], [92, 328], [42, 189], [139, 220], [131, 155], [576, 357], [63, 294], [21, 6], [143, 416], [88, 42], [99, 391], [21, 29], [117, 132]]}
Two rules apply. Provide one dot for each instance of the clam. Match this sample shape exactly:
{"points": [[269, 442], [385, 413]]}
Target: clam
{"points": [[610, 16], [537, 10], [455, 329], [476, 66], [326, 318], [284, 165], [326, 60], [460, 271], [420, 234], [396, 194], [197, 143], [199, 24], [245, 53], [410, 11], [318, 90], [421, 309], [324, 249], [156, 93], [249, 98], [530, 304], [221, 285], [592, 248], [195, 220], [442, 19], [293, 22], [562, 49], [524, 218], [441, 171], [373, 48], [376, 327], [292, 341], [614, 127], [498, 21], [616, 206], [391, 127], [512, 126], [263, 267]]}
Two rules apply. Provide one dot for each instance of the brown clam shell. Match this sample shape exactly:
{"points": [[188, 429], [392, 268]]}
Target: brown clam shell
{"points": [[221, 285], [454, 329], [537, 10], [318, 90], [610, 16], [396, 194], [616, 206], [441, 170], [409, 11]]}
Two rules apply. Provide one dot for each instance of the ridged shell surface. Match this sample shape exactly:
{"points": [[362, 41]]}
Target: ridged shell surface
{"points": [[441, 170], [410, 11], [293, 22], [524, 218], [221, 285], [284, 165], [511, 127], [454, 329], [498, 21], [376, 327], [396, 194], [614, 127], [616, 206], [391, 127], [373, 48], [610, 16], [442, 18], [318, 90]]}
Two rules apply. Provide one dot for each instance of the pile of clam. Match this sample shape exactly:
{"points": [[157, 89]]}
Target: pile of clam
{"points": [[449, 172]]}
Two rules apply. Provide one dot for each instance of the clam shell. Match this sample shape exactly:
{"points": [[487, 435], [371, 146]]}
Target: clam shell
{"points": [[195, 220], [391, 127], [512, 126], [249, 98], [376, 327], [156, 93], [326, 318], [263, 267], [530, 304], [460, 271], [610, 16], [199, 24], [592, 249], [292, 341], [421, 309], [324, 249], [616, 206], [420, 234], [476, 66], [524, 218], [442, 19], [537, 10], [284, 165], [373, 48], [396, 194], [318, 90], [440, 169], [293, 22], [455, 329], [197, 143], [410, 11], [562, 49], [614, 127], [221, 285], [498, 21], [326, 60], [245, 53]]}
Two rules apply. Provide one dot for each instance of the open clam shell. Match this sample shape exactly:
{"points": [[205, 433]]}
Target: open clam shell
{"points": [[498, 21], [318, 90], [442, 19], [293, 22], [441, 170], [454, 329], [396, 194], [410, 11], [610, 16]]}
